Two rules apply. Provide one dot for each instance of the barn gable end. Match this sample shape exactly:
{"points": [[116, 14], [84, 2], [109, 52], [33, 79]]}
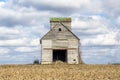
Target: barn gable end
{"points": [[60, 44]]}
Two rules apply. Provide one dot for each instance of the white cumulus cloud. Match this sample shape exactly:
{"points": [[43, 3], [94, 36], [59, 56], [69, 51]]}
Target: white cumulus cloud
{"points": [[4, 51]]}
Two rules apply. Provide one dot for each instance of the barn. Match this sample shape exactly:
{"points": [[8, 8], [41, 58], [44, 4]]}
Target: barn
{"points": [[60, 43]]}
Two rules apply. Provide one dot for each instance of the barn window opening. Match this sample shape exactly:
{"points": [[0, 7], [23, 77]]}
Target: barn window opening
{"points": [[59, 29], [60, 55], [74, 59]]}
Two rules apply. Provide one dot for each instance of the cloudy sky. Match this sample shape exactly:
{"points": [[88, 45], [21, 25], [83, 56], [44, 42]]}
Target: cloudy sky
{"points": [[24, 22]]}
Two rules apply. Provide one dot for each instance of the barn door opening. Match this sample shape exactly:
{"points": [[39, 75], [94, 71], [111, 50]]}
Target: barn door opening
{"points": [[60, 55]]}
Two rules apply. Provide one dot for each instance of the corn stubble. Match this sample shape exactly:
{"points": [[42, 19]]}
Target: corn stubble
{"points": [[60, 72]]}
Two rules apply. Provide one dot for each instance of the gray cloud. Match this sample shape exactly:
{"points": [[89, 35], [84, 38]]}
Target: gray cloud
{"points": [[111, 7]]}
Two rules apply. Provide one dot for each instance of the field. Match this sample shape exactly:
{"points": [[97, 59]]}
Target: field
{"points": [[60, 72]]}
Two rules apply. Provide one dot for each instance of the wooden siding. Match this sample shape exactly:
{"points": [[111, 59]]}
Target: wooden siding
{"points": [[60, 38]]}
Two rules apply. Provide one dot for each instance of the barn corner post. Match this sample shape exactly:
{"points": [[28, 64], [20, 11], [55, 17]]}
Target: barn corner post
{"points": [[80, 54], [40, 51], [60, 43]]}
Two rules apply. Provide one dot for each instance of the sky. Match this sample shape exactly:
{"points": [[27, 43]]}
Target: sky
{"points": [[24, 22]]}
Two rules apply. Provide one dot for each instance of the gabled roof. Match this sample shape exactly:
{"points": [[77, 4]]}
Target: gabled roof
{"points": [[44, 35], [70, 31], [64, 27]]}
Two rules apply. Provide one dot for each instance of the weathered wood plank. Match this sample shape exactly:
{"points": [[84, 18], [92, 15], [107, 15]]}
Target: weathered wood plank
{"points": [[60, 38]]}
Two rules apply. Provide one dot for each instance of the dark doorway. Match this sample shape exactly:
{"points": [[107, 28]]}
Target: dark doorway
{"points": [[60, 55]]}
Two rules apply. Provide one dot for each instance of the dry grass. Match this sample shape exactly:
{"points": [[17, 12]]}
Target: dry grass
{"points": [[60, 72]]}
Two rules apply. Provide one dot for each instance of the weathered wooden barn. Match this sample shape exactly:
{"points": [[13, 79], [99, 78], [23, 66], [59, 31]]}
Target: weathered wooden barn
{"points": [[60, 44]]}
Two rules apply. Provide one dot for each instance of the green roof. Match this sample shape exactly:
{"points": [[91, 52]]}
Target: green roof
{"points": [[60, 19]]}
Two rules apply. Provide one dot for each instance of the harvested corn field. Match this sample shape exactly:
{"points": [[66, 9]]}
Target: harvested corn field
{"points": [[60, 72]]}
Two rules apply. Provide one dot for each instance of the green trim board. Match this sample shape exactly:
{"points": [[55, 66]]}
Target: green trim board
{"points": [[60, 19]]}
